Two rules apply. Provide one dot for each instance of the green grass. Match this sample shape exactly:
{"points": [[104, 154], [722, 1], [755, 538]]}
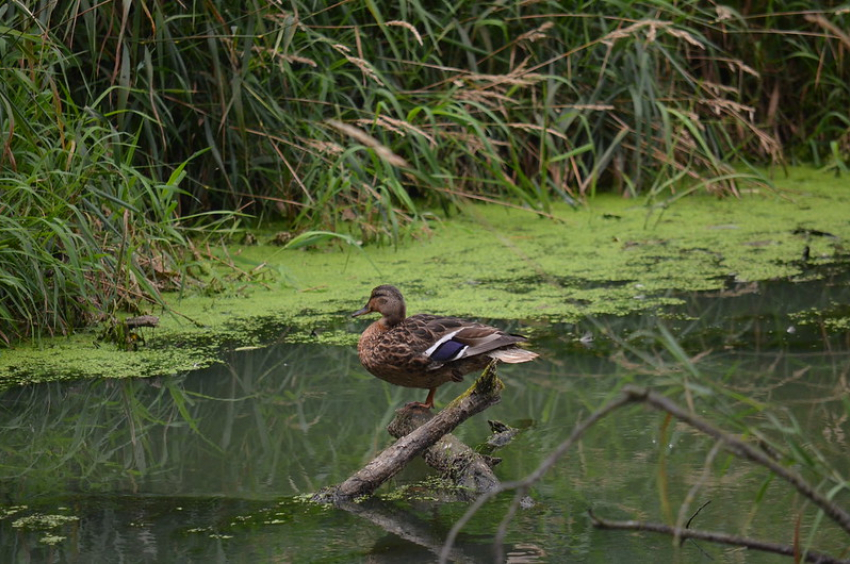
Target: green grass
{"points": [[119, 129], [83, 232]]}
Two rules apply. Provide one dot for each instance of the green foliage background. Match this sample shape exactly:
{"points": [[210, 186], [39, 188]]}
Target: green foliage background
{"points": [[123, 123]]}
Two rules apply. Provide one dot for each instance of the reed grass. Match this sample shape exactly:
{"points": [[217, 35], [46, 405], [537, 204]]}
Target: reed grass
{"points": [[83, 232], [358, 118]]}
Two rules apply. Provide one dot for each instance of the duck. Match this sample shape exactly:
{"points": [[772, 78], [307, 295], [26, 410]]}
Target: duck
{"points": [[426, 351]]}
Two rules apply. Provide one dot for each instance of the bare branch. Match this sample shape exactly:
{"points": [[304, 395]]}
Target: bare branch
{"points": [[742, 450], [727, 441], [541, 470], [723, 538]]}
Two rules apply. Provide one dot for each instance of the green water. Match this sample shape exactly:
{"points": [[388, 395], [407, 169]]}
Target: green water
{"points": [[215, 465]]}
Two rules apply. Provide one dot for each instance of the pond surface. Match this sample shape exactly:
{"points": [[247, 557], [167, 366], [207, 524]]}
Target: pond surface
{"points": [[216, 465]]}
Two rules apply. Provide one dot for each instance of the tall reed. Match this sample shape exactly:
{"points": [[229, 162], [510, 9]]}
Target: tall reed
{"points": [[356, 117], [83, 230]]}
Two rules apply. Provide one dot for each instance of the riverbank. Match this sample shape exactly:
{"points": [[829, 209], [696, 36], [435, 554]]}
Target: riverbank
{"points": [[610, 257]]}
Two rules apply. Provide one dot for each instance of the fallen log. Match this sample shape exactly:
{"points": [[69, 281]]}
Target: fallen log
{"points": [[470, 472], [484, 392], [141, 321]]}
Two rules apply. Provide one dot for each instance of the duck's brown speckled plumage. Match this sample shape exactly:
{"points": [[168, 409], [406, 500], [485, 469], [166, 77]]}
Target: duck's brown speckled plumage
{"points": [[401, 350]]}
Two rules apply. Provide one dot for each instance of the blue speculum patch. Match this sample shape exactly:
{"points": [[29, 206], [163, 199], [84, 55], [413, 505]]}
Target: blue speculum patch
{"points": [[447, 351]]}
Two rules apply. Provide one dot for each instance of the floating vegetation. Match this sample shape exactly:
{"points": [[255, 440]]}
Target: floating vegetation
{"points": [[44, 522]]}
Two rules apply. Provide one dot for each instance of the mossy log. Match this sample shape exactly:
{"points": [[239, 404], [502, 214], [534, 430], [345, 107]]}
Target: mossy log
{"points": [[469, 471], [484, 392]]}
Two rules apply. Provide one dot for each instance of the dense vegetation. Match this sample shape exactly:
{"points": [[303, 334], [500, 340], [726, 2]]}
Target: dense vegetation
{"points": [[123, 124]]}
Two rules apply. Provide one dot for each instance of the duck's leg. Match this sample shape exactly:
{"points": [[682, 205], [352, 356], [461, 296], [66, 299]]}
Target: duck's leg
{"points": [[429, 401]]}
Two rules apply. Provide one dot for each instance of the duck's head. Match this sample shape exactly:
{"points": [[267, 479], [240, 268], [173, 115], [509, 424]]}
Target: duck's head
{"points": [[387, 301]]}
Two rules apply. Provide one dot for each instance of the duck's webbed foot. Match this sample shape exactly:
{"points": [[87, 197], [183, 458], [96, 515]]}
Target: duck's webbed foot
{"points": [[429, 401], [418, 406]]}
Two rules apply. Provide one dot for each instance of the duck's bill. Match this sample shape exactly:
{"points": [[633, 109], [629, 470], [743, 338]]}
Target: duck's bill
{"points": [[362, 311]]}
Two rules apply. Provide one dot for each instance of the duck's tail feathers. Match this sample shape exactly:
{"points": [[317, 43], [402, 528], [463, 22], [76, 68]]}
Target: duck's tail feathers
{"points": [[513, 355]]}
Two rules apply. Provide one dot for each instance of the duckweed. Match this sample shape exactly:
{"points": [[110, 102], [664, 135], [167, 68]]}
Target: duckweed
{"points": [[612, 256]]}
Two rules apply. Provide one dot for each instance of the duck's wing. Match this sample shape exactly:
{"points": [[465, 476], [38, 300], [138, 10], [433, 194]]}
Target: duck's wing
{"points": [[483, 339], [446, 339]]}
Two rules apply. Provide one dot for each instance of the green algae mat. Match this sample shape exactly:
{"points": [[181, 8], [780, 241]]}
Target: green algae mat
{"points": [[611, 256]]}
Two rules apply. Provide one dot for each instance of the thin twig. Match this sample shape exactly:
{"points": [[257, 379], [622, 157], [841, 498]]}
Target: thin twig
{"points": [[541, 470], [676, 532], [742, 450], [701, 507], [633, 394], [692, 492]]}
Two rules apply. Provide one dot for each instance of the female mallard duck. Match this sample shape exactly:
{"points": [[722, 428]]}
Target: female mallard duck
{"points": [[426, 351]]}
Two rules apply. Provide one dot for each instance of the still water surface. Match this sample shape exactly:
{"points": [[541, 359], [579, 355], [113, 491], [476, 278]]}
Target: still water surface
{"points": [[215, 466]]}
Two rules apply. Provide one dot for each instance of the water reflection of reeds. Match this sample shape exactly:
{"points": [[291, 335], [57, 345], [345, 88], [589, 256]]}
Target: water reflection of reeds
{"points": [[291, 419]]}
